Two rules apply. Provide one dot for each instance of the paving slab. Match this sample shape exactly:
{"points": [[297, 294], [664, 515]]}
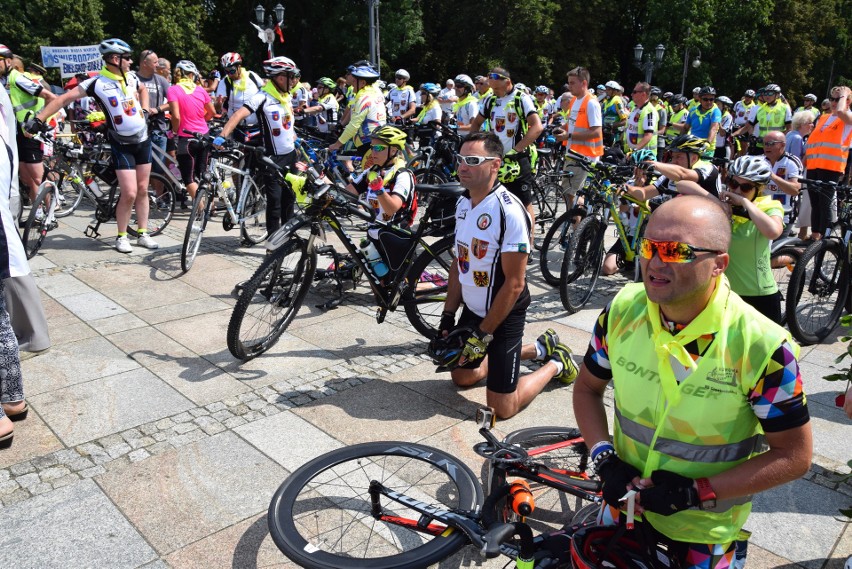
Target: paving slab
{"points": [[91, 306], [181, 310], [75, 526], [56, 314], [71, 333], [59, 285], [108, 405], [149, 346], [120, 323], [33, 438], [189, 493], [361, 334], [198, 380]]}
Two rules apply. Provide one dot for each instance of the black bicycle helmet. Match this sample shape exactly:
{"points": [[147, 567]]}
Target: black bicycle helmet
{"points": [[707, 90], [447, 351], [772, 89], [656, 91], [687, 143]]}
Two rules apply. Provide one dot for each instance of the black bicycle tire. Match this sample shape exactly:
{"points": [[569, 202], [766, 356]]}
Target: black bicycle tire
{"points": [[429, 328], [78, 198], [191, 239], [305, 277], [784, 284], [798, 282], [252, 201], [551, 276], [429, 176], [285, 534], [168, 208], [589, 228], [31, 231]]}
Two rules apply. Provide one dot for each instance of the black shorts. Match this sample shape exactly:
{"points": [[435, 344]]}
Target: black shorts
{"points": [[504, 351], [128, 156], [191, 159], [769, 305], [30, 150]]}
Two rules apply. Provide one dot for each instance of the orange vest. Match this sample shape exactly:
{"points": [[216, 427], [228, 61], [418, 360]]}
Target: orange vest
{"points": [[589, 148], [827, 149]]}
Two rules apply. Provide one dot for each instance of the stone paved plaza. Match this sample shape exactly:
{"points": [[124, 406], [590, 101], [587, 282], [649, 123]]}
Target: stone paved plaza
{"points": [[148, 445]]}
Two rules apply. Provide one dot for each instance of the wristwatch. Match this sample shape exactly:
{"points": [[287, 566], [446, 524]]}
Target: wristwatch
{"points": [[485, 337], [706, 494]]}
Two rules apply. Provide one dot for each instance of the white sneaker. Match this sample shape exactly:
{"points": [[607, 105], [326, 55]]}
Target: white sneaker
{"points": [[147, 241], [122, 244], [39, 216]]}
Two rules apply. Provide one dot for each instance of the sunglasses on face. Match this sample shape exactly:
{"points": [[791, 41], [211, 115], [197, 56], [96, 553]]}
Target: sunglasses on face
{"points": [[125, 57], [734, 185], [772, 143], [671, 251], [834, 99], [473, 160], [379, 147], [708, 99], [497, 77], [231, 69]]}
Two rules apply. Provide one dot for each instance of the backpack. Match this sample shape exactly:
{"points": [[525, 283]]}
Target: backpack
{"points": [[228, 86]]}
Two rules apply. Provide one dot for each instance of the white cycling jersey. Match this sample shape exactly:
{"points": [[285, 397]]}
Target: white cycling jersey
{"points": [[400, 100], [118, 101], [504, 119], [498, 224], [788, 167], [240, 91], [276, 121]]}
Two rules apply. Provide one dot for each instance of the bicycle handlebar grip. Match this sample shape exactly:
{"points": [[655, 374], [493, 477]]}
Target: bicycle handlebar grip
{"points": [[496, 535]]}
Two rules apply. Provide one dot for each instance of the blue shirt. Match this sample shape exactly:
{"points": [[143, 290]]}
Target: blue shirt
{"points": [[795, 144], [700, 121]]}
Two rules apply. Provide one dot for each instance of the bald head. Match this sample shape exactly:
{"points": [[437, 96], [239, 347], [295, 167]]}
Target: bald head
{"points": [[774, 136], [697, 220]]}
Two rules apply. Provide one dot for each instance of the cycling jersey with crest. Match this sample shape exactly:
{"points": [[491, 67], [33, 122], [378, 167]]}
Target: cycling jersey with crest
{"points": [[504, 116], [276, 120], [498, 224], [118, 101]]}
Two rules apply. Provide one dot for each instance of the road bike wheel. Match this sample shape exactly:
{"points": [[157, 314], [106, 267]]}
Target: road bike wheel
{"points": [[321, 517], [429, 176], [253, 227], [72, 195], [161, 206], [194, 229], [427, 286], [37, 225], [782, 262], [561, 449], [581, 264], [553, 248], [817, 291], [270, 299]]}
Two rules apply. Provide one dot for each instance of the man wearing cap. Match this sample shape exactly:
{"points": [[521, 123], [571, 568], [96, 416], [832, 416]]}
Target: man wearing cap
{"points": [[808, 105], [447, 98], [402, 98], [614, 113]]}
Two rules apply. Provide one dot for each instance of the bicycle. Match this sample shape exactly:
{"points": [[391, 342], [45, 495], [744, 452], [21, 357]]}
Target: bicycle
{"points": [[819, 284], [271, 298], [249, 211]]}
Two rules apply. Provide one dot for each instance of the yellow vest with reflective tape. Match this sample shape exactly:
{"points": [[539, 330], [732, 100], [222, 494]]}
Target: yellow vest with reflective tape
{"points": [[703, 425], [23, 104]]}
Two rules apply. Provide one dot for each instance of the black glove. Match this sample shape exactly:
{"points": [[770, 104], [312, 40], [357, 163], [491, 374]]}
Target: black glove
{"points": [[671, 493], [448, 322], [615, 475], [35, 126]]}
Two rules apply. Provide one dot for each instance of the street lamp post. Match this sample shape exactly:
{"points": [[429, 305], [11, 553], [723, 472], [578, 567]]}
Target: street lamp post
{"points": [[267, 28], [375, 58], [696, 63], [650, 64]]}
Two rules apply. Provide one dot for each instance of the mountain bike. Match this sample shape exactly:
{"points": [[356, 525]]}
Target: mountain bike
{"points": [[819, 284], [417, 277]]}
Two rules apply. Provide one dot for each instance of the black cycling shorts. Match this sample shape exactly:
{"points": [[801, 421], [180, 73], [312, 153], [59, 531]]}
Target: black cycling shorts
{"points": [[504, 351], [128, 156], [30, 150]]}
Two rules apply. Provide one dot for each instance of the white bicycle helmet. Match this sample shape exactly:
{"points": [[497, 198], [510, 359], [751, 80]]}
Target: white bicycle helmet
{"points": [[725, 100], [542, 89], [114, 46], [464, 80], [752, 168], [231, 59], [279, 65], [402, 74], [811, 96], [611, 85], [187, 67], [750, 93], [5, 51]]}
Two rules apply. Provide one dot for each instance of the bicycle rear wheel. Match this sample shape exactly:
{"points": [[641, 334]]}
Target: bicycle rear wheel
{"points": [[161, 206], [563, 451], [321, 517], [40, 220], [270, 299], [553, 248], [817, 291], [194, 229], [72, 195], [783, 261], [427, 286], [253, 224], [581, 264]]}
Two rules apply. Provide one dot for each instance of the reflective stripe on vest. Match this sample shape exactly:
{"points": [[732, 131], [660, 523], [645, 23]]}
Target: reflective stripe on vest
{"points": [[23, 104], [702, 425], [590, 148], [826, 148]]}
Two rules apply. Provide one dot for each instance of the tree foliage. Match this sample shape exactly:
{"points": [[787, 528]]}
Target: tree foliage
{"points": [[802, 46]]}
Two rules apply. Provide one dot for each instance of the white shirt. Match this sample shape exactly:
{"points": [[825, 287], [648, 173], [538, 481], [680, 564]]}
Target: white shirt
{"points": [[120, 105], [788, 167], [446, 98], [276, 121], [504, 119], [400, 100], [18, 265], [236, 97]]}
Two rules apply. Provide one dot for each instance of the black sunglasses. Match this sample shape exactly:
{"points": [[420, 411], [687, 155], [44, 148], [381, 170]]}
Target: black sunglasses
{"points": [[733, 184], [708, 99]]}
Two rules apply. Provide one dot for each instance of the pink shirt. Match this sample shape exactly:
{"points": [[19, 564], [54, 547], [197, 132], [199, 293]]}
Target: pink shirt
{"points": [[191, 109]]}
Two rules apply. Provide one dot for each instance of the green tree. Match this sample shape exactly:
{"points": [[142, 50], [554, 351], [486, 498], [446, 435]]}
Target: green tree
{"points": [[171, 29]]}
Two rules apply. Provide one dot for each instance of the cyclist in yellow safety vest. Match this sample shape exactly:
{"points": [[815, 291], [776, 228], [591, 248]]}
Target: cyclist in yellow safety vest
{"points": [[614, 113], [773, 116], [701, 381]]}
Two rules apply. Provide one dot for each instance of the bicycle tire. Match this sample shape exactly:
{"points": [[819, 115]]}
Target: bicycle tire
{"points": [[327, 501], [253, 216], [783, 272], [427, 286], [553, 248], [72, 193], [160, 208], [581, 264], [429, 176], [270, 299], [551, 504], [194, 229], [35, 230], [817, 291]]}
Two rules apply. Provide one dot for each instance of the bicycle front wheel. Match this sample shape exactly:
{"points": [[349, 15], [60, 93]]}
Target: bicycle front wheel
{"points": [[253, 215], [817, 291], [581, 264], [427, 286], [161, 206], [40, 220], [322, 516], [194, 229], [270, 299], [553, 248], [72, 195]]}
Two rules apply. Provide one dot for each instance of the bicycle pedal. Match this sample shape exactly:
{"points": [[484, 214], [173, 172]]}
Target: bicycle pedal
{"points": [[380, 314], [90, 231]]}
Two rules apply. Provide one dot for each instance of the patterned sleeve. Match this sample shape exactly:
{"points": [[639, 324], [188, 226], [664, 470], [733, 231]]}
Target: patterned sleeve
{"points": [[777, 398], [596, 359]]}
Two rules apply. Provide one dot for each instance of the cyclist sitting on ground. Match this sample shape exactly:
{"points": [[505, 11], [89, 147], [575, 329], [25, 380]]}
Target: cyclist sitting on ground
{"points": [[190, 108], [275, 115], [121, 97], [684, 171]]}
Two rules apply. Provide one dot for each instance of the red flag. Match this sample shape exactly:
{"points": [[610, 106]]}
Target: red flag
{"points": [[280, 34]]}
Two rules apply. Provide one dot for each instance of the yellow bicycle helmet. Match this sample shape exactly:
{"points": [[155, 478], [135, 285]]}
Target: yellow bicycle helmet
{"points": [[688, 143], [390, 135], [509, 171]]}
